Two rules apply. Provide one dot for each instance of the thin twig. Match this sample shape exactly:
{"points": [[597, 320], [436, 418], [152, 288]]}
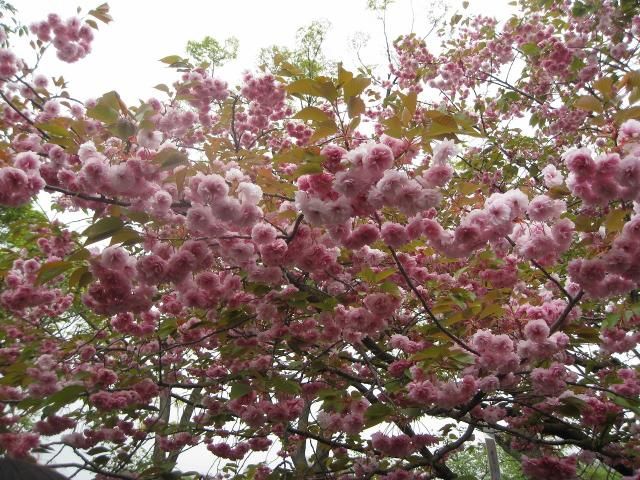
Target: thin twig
{"points": [[28, 120], [426, 308]]}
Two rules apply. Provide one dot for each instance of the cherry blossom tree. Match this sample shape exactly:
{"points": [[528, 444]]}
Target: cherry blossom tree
{"points": [[354, 287]]}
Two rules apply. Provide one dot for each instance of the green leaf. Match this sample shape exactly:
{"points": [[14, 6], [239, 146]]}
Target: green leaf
{"points": [[611, 320], [315, 88], [615, 220], [588, 103], [377, 413], [429, 353], [327, 305], [577, 64], [493, 310], [139, 217], [355, 86], [410, 102], [530, 49], [64, 397], [98, 450], [112, 99], [171, 59], [76, 277], [169, 158], [311, 165], [585, 223], [51, 270], [163, 88], [394, 127], [467, 188], [343, 75], [356, 107], [126, 236], [634, 96], [14, 375], [383, 274], [304, 86], [285, 385], [239, 389], [367, 275], [629, 113], [604, 86], [379, 278], [391, 288], [294, 155], [80, 254], [55, 128], [463, 357], [441, 123], [289, 70], [309, 169], [167, 327], [103, 113], [579, 9], [103, 228], [101, 13], [627, 403], [313, 114], [323, 130], [628, 6], [631, 79], [123, 129], [107, 108]]}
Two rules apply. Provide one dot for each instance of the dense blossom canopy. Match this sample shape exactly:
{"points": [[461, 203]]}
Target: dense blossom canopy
{"points": [[305, 274]]}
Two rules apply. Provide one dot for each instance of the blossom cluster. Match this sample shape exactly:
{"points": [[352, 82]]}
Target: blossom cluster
{"points": [[18, 184], [71, 38], [9, 64], [202, 90], [23, 291], [399, 445]]}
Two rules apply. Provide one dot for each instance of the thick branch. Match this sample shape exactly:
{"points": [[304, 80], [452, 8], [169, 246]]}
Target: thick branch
{"points": [[84, 196], [326, 441], [560, 321], [441, 452], [296, 227]]}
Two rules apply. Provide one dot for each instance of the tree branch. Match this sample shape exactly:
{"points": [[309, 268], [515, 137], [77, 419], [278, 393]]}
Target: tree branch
{"points": [[426, 308]]}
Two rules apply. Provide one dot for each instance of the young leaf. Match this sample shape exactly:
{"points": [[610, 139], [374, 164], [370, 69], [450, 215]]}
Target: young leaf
{"points": [[171, 59], [588, 103], [239, 389], [313, 114], [103, 228], [169, 158], [355, 86], [51, 270], [377, 413]]}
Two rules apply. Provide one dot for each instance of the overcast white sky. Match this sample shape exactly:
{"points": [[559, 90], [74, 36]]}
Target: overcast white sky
{"points": [[126, 52]]}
